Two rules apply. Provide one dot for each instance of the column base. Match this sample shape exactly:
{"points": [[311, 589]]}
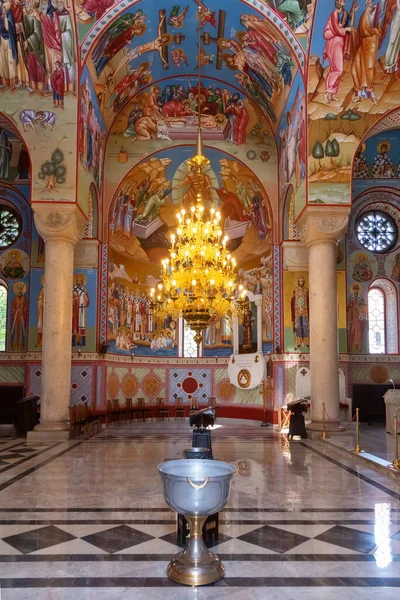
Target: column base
{"points": [[315, 428], [47, 436], [49, 431]]}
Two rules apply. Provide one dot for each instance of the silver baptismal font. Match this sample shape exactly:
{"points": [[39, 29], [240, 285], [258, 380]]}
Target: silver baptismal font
{"points": [[197, 489]]}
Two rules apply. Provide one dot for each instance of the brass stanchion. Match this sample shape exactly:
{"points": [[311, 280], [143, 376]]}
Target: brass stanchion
{"points": [[357, 448], [324, 435], [396, 462]]}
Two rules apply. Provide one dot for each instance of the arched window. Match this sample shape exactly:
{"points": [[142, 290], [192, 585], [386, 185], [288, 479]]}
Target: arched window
{"points": [[383, 293], [3, 315], [187, 344], [376, 321]]}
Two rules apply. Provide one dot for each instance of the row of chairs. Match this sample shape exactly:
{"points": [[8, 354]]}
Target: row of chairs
{"points": [[81, 423], [117, 413]]}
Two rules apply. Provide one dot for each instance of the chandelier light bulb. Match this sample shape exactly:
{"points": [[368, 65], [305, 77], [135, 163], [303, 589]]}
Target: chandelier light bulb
{"points": [[194, 282]]}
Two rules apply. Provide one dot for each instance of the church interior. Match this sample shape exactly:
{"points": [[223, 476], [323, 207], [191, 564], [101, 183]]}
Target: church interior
{"points": [[199, 236]]}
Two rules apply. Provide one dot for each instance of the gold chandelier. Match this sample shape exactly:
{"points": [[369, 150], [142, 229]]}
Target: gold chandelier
{"points": [[198, 281]]}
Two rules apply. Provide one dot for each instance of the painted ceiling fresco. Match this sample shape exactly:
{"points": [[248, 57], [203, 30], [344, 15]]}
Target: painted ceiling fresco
{"points": [[157, 43], [352, 82]]}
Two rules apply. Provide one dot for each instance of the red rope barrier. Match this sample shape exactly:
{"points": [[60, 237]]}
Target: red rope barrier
{"points": [[342, 428], [348, 424]]}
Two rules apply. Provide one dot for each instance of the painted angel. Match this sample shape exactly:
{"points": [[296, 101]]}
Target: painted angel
{"points": [[177, 19], [206, 15]]}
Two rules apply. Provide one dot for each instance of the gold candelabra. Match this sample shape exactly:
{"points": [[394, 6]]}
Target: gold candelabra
{"points": [[198, 280]]}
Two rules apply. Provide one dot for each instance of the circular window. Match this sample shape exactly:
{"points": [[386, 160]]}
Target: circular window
{"points": [[376, 231], [10, 226]]}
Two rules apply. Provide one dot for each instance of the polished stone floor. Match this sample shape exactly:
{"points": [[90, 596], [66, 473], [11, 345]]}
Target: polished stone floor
{"points": [[373, 440], [87, 519]]}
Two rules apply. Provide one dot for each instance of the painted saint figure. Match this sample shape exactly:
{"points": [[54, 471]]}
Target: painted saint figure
{"points": [[383, 166], [336, 33], [13, 269], [360, 166], [58, 85], [23, 164], [80, 301], [19, 317], [393, 48], [362, 271], [300, 314], [5, 154], [363, 67], [357, 316]]}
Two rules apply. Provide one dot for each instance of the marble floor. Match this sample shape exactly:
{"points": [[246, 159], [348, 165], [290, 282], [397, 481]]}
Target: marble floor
{"points": [[87, 519], [373, 440]]}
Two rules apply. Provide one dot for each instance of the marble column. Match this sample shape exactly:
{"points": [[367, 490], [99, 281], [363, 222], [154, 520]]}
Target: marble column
{"points": [[321, 230], [61, 227]]}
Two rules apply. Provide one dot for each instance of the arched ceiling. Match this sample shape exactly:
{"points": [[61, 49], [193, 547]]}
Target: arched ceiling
{"points": [[253, 52]]}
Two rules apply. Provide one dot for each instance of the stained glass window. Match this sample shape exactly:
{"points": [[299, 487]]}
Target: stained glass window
{"points": [[10, 226], [376, 321], [376, 231], [189, 345], [3, 316]]}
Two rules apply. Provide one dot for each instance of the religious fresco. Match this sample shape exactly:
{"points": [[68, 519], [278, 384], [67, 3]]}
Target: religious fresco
{"points": [[84, 310], [15, 271], [291, 138], [296, 311], [296, 13], [249, 51], [143, 215], [92, 130], [91, 140], [376, 162], [91, 209], [38, 82], [14, 158], [88, 12], [363, 267], [352, 82]]}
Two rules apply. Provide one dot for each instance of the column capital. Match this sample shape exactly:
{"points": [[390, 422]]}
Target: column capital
{"points": [[59, 221], [318, 224]]}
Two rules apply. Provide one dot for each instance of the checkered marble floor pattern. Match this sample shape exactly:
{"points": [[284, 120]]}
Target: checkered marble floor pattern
{"points": [[87, 520], [238, 537]]}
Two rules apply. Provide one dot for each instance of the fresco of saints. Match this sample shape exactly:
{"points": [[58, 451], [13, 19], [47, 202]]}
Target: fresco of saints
{"points": [[193, 184], [13, 269], [19, 317], [362, 271], [8, 49], [295, 11], [360, 166], [393, 49], [336, 36], [357, 316], [5, 154], [157, 45], [119, 35], [96, 8], [363, 67], [383, 167], [299, 307], [80, 302]]}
